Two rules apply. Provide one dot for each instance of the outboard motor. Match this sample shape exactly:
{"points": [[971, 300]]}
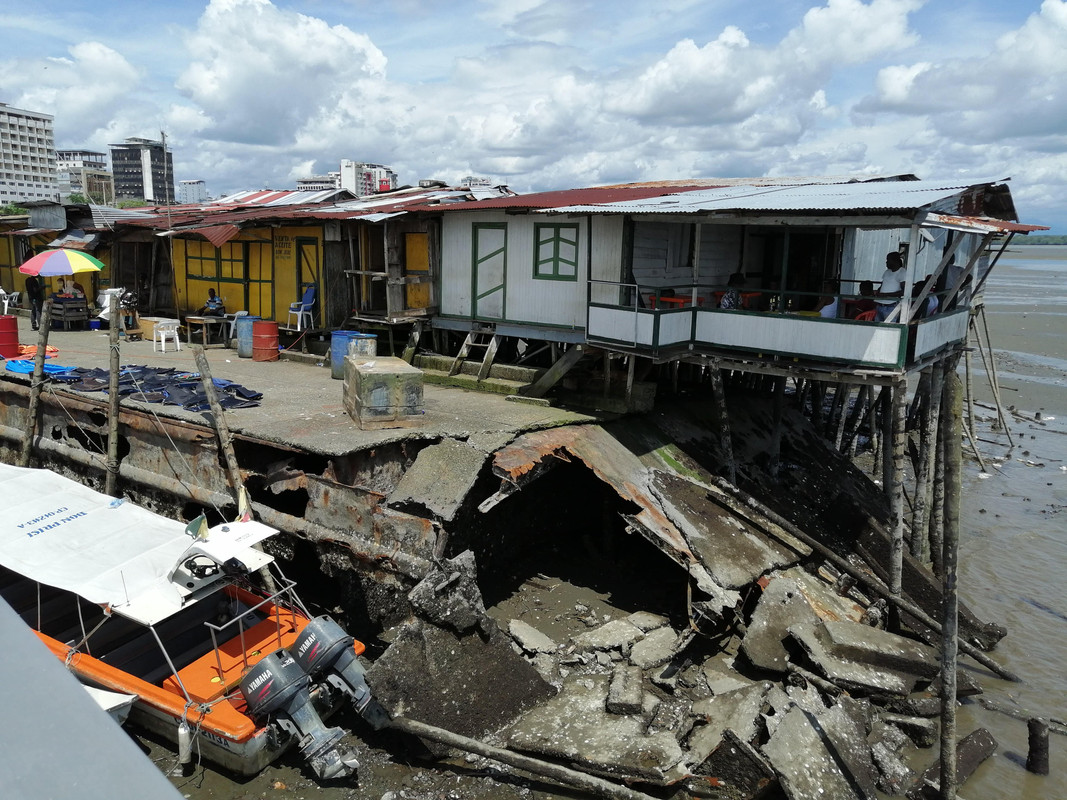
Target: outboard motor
{"points": [[278, 687], [324, 650]]}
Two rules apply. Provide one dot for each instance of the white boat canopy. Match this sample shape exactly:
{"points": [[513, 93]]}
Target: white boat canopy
{"points": [[58, 532]]}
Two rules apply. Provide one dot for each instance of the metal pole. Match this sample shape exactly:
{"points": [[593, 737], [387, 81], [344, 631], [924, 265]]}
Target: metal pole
{"points": [[112, 473], [952, 413], [36, 384]]}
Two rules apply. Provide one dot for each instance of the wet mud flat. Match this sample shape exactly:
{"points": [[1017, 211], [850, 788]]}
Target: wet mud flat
{"points": [[624, 615]]}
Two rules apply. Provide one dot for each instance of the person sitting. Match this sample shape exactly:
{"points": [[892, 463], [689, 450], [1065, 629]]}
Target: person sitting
{"points": [[213, 307], [865, 302], [827, 304], [731, 298]]}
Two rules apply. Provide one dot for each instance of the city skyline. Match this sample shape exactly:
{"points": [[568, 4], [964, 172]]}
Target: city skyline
{"points": [[545, 95]]}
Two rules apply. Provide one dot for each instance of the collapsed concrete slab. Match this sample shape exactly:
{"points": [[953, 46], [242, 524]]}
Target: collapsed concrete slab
{"points": [[529, 639], [438, 481], [466, 684], [792, 597], [861, 658], [822, 755], [449, 596], [736, 771], [738, 711], [576, 728]]}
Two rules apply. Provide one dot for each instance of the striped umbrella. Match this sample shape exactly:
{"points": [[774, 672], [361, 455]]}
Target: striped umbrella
{"points": [[60, 262]]}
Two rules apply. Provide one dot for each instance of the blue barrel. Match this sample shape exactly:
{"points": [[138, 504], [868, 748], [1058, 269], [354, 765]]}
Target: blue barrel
{"points": [[338, 350], [243, 330]]}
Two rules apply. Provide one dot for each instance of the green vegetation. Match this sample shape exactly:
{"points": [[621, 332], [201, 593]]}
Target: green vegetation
{"points": [[130, 204], [77, 198], [12, 210], [1041, 239]]}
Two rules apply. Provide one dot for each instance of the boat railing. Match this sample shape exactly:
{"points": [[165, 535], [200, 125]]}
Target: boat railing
{"points": [[285, 587]]}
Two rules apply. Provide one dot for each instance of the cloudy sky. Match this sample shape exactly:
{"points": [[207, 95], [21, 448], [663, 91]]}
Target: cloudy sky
{"points": [[546, 94]]}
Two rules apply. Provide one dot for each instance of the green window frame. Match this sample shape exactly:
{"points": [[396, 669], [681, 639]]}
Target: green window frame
{"points": [[555, 252]]}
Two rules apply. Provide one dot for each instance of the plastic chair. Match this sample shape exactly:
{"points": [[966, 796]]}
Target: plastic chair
{"points": [[166, 328], [865, 316], [11, 300], [302, 309], [233, 321]]}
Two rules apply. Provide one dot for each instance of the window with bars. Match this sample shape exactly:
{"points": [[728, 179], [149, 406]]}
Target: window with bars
{"points": [[556, 252]]}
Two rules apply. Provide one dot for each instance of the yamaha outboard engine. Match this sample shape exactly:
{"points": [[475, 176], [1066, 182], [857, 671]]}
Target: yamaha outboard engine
{"points": [[278, 687], [324, 650]]}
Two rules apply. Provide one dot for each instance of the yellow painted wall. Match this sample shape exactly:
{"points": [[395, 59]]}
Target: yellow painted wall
{"points": [[256, 272]]}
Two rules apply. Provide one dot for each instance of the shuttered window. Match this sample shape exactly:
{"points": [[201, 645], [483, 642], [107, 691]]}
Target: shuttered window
{"points": [[556, 252]]}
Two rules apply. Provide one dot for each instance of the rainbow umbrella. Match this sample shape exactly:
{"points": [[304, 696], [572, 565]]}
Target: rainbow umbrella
{"points": [[60, 262]]}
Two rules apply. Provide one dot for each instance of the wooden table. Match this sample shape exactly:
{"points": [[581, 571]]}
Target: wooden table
{"points": [[205, 323], [66, 310]]}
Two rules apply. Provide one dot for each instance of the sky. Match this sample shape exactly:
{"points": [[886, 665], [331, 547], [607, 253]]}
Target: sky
{"points": [[556, 94]]}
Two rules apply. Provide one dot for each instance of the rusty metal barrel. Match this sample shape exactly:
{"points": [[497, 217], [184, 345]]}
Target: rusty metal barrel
{"points": [[264, 340]]}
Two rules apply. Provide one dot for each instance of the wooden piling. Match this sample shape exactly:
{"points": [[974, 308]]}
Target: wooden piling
{"points": [[223, 430], [111, 478], [994, 378], [775, 454], [725, 437], [936, 532], [36, 384], [896, 434], [952, 422], [1037, 753], [841, 396], [920, 519]]}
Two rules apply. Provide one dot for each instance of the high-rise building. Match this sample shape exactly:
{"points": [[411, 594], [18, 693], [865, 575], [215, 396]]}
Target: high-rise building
{"points": [[193, 191], [143, 169], [85, 172], [362, 179], [27, 156]]}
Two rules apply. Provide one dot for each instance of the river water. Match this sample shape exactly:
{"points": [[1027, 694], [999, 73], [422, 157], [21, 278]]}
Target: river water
{"points": [[1013, 548], [1012, 558]]}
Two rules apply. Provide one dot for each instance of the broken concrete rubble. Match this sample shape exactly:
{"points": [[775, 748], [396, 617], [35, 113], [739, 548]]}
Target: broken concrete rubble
{"points": [[858, 657], [790, 598]]}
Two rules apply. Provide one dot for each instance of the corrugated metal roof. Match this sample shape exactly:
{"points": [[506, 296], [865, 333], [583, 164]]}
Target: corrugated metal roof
{"points": [[875, 196], [107, 217], [272, 197], [567, 197]]}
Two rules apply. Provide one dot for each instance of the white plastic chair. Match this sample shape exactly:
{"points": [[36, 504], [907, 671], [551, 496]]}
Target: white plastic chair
{"points": [[11, 300], [233, 321], [302, 309], [164, 329]]}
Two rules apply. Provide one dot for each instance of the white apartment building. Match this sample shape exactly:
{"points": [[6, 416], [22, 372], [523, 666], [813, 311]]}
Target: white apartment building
{"points": [[363, 179], [27, 156], [192, 191]]}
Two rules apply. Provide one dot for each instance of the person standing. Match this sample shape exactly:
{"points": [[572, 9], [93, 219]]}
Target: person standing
{"points": [[35, 297], [892, 288]]}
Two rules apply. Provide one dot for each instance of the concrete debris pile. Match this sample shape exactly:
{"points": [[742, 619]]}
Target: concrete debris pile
{"points": [[806, 696]]}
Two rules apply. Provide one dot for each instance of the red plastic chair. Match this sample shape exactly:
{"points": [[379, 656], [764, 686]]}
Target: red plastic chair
{"points": [[865, 316]]}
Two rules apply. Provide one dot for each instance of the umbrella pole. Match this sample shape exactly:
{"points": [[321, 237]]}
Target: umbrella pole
{"points": [[36, 383]]}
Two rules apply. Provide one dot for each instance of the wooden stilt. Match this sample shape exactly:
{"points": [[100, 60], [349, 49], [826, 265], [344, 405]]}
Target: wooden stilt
{"points": [[920, 519], [36, 384], [223, 430], [875, 426], [969, 394], [776, 436], [952, 413], [725, 437], [937, 491], [896, 434], [111, 478], [888, 396], [859, 413], [994, 378], [841, 412]]}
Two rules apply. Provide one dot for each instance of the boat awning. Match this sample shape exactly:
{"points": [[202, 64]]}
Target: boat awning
{"points": [[60, 533]]}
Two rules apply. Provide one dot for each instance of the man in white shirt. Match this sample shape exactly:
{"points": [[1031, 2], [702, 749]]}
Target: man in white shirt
{"points": [[892, 288]]}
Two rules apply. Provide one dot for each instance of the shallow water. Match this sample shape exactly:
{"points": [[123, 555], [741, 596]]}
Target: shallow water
{"points": [[1013, 543], [1013, 554]]}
